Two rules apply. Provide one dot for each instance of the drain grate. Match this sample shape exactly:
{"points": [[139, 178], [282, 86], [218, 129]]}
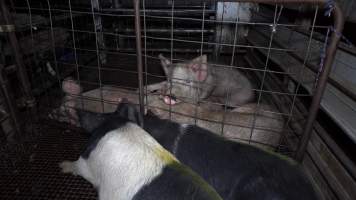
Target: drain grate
{"points": [[39, 177]]}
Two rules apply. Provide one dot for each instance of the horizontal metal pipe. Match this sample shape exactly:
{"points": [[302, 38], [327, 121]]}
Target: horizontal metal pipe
{"points": [[166, 50], [278, 1], [336, 84], [162, 30], [194, 11], [315, 69]]}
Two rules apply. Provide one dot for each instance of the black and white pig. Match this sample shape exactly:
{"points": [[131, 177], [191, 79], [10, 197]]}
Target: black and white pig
{"points": [[235, 170], [124, 162]]}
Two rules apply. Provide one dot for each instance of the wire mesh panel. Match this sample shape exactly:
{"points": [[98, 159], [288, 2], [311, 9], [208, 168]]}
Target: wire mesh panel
{"points": [[243, 38], [238, 69], [246, 71]]}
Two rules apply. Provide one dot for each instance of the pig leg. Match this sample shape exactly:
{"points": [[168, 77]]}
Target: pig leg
{"points": [[68, 109], [79, 167], [71, 88], [155, 86]]}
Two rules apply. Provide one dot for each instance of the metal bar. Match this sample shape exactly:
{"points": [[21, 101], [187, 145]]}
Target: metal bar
{"points": [[201, 54], [349, 165], [218, 32], [275, 20], [214, 21], [330, 55], [108, 67], [74, 47], [168, 11], [228, 90], [338, 25], [305, 61], [145, 49], [314, 68], [99, 30], [171, 54], [220, 44], [98, 54], [163, 30], [156, 50], [53, 42], [30, 101], [9, 102], [278, 1], [139, 56]]}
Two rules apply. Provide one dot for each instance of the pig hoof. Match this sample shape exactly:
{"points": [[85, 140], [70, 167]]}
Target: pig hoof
{"points": [[67, 167]]}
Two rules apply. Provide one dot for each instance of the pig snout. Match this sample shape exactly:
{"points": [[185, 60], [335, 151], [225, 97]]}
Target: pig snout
{"points": [[170, 100]]}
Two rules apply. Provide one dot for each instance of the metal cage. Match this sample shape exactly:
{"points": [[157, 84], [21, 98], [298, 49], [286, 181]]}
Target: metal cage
{"points": [[110, 49]]}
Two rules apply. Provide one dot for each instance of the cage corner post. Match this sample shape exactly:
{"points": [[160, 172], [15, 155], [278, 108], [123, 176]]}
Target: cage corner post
{"points": [[139, 55], [322, 81]]}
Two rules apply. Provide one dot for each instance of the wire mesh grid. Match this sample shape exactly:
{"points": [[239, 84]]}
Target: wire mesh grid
{"points": [[181, 33], [94, 44], [30, 170]]}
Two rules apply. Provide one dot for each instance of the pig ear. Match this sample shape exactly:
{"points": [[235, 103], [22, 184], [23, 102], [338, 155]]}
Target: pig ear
{"points": [[70, 86], [165, 63], [200, 67]]}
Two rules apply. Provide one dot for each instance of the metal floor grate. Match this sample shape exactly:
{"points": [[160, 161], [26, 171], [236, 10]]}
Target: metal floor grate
{"points": [[39, 177]]}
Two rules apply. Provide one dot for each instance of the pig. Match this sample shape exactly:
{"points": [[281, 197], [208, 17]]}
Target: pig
{"points": [[196, 80], [259, 125], [124, 162], [236, 170], [90, 100]]}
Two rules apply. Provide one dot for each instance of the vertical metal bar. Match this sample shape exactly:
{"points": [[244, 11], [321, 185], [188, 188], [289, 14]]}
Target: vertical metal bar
{"points": [[33, 111], [75, 52], [10, 103], [228, 90], [330, 55], [171, 56], [201, 54], [219, 16], [300, 75], [98, 58], [30, 101], [274, 26], [139, 56], [54, 53], [53, 40], [145, 54], [99, 28]]}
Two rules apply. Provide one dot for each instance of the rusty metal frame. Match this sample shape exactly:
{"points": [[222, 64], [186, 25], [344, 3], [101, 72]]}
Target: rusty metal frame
{"points": [[322, 81], [18, 57], [21, 71]]}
